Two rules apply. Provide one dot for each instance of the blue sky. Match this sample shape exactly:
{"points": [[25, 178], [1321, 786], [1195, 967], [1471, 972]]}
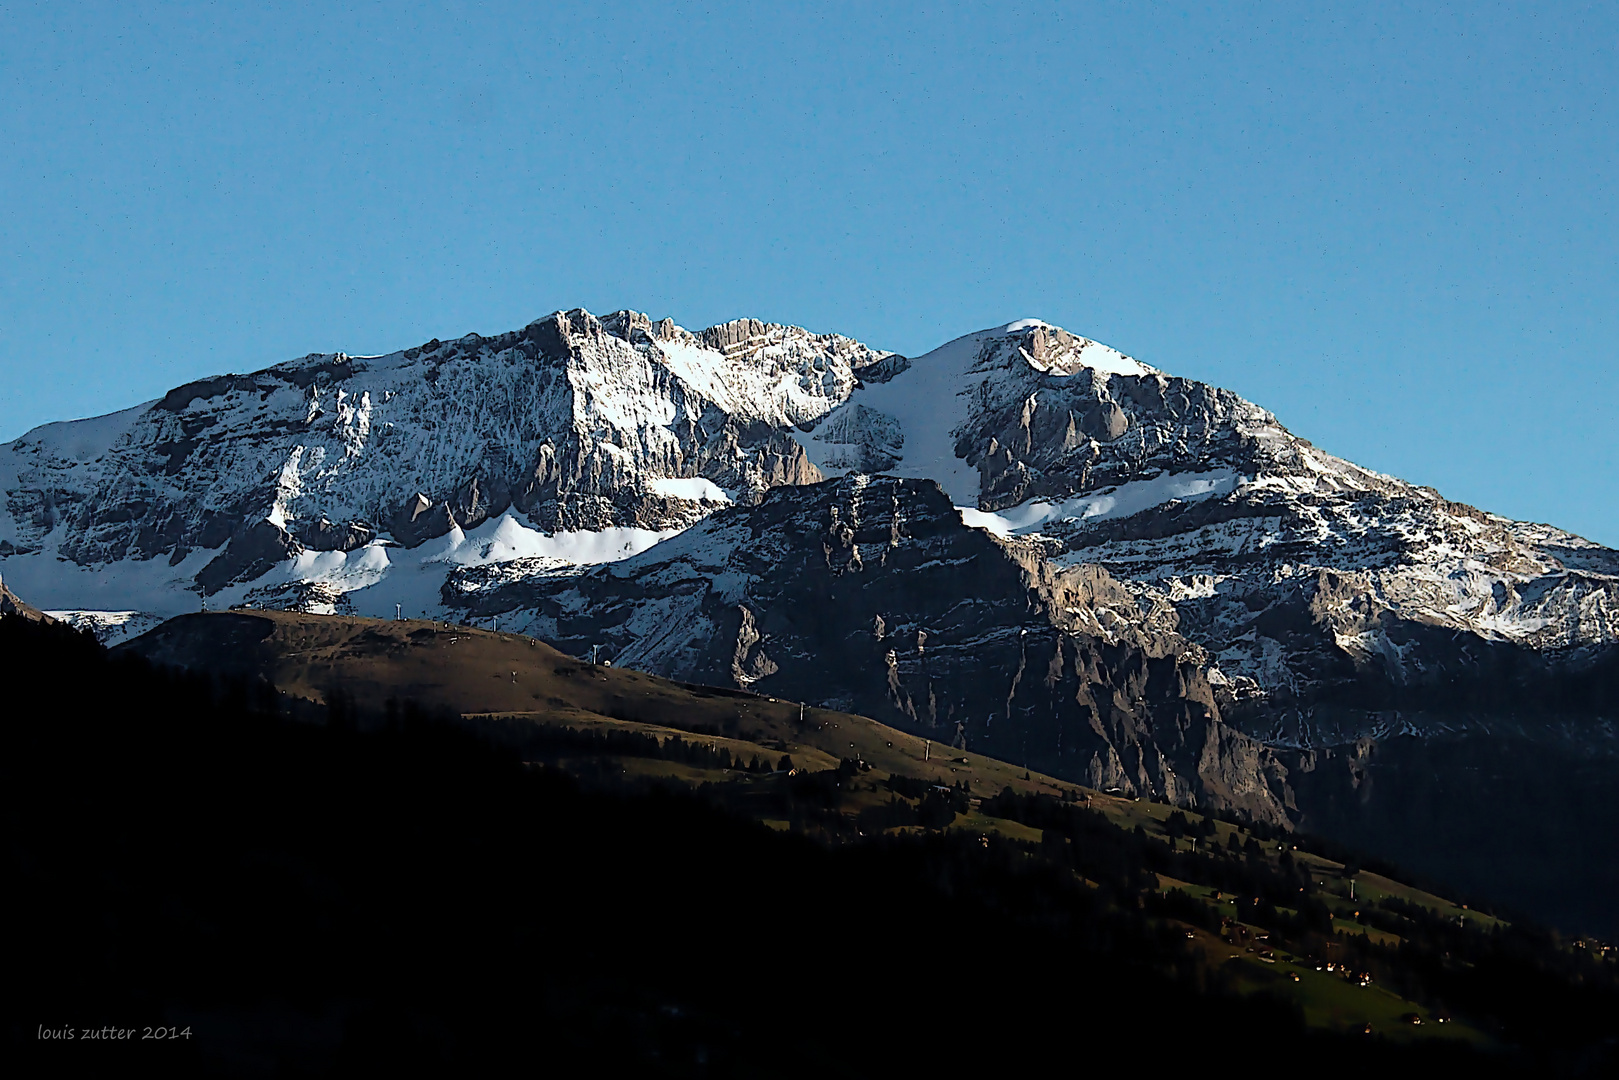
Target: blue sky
{"points": [[1392, 225]]}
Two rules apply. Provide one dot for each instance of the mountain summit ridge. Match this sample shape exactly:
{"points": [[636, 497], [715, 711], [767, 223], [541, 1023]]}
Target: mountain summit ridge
{"points": [[582, 425]]}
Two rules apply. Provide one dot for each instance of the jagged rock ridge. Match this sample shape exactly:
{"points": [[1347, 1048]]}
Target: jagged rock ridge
{"points": [[573, 423]]}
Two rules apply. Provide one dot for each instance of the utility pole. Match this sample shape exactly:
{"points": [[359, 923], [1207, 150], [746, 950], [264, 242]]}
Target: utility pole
{"points": [[399, 613], [927, 749]]}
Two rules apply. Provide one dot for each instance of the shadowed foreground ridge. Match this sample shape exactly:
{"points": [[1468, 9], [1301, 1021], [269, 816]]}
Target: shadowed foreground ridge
{"points": [[311, 897]]}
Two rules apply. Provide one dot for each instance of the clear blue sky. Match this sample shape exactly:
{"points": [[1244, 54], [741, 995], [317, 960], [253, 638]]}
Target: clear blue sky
{"points": [[1393, 225]]}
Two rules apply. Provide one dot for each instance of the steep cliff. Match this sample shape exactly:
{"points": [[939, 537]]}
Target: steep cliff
{"points": [[870, 594]]}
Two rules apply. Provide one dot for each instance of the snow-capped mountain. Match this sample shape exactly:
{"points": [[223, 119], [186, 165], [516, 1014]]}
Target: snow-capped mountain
{"points": [[408, 479], [592, 438], [1202, 501], [1023, 541], [1291, 565]]}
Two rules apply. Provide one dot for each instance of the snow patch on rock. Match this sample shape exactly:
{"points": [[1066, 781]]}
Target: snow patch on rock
{"points": [[1122, 501], [110, 627], [692, 489]]}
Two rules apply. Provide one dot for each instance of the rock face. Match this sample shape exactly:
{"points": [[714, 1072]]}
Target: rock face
{"points": [[574, 422], [1295, 568], [870, 594]]}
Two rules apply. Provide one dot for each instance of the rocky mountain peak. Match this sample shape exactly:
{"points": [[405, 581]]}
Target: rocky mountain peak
{"points": [[1052, 350], [574, 423]]}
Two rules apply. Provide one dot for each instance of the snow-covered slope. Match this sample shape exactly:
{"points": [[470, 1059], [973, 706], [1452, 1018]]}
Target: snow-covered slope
{"points": [[925, 424], [1294, 567]]}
